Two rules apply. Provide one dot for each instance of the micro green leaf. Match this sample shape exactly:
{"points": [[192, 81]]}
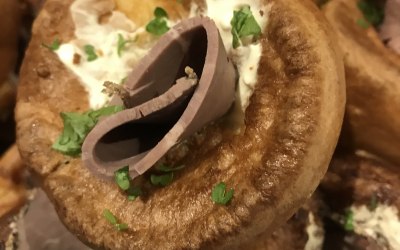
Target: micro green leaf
{"points": [[76, 128], [55, 45], [158, 26], [219, 194], [373, 203], [90, 52], [122, 178], [372, 11], [160, 12], [133, 193], [363, 23], [162, 180], [243, 25], [110, 217], [348, 220], [121, 44]]}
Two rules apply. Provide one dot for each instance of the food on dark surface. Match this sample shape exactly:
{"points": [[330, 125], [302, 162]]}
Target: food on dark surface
{"points": [[372, 78], [237, 181]]}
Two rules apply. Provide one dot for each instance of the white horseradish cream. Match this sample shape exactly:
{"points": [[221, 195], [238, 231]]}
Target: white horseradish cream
{"points": [[109, 66], [381, 223], [315, 234]]}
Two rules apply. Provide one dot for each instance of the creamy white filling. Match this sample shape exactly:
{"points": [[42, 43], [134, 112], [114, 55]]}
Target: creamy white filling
{"points": [[245, 57], [315, 234], [109, 66], [383, 222]]}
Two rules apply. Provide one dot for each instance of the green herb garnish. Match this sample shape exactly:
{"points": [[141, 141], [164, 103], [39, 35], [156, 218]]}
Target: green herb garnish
{"points": [[158, 26], [77, 126], [133, 193], [90, 52], [219, 194], [113, 220], [166, 169], [55, 45], [348, 220], [121, 44], [162, 180], [244, 25], [373, 203], [372, 11], [122, 178], [363, 23]]}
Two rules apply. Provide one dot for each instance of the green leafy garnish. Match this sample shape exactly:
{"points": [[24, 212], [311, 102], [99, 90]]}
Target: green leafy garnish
{"points": [[90, 52], [243, 25], [373, 203], [158, 26], [363, 23], [166, 169], [348, 220], [162, 180], [113, 220], [133, 193], [219, 194], [122, 42], [55, 45], [77, 126], [123, 181], [372, 11], [122, 178]]}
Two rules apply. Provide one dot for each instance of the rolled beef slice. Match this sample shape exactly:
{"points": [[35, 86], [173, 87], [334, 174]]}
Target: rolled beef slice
{"points": [[163, 106]]}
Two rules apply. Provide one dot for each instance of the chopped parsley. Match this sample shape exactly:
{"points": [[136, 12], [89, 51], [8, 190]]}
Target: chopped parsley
{"points": [[166, 169], [162, 180], [76, 128], [122, 178], [372, 11], [122, 42], [244, 25], [55, 45], [373, 203], [219, 194], [133, 193], [123, 181], [90, 52], [110, 217], [158, 26], [348, 220], [363, 23]]}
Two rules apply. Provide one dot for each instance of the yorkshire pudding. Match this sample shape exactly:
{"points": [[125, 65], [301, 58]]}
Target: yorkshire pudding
{"points": [[372, 80], [290, 131]]}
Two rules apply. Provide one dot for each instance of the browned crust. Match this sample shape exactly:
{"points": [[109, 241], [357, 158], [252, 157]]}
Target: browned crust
{"points": [[372, 79], [292, 127]]}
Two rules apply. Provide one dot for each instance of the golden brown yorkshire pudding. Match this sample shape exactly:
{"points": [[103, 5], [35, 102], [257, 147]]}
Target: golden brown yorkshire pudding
{"points": [[291, 129], [372, 80]]}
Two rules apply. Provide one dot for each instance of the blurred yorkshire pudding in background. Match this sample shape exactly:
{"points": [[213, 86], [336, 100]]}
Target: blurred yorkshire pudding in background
{"points": [[274, 164], [372, 79], [364, 199]]}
